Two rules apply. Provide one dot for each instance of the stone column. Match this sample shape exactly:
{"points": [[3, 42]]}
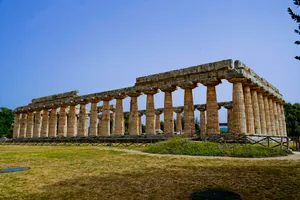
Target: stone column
{"points": [[72, 121], [248, 110], [272, 119], [257, 127], [229, 118], [279, 119], [93, 119], [105, 123], [168, 111], [238, 104], [23, 125], [62, 122], [188, 110], [100, 125], [267, 114], [212, 112], [134, 115], [16, 125], [45, 123], [119, 124], [283, 120], [29, 125], [150, 118], [276, 117], [202, 121], [178, 120], [82, 122], [157, 119], [140, 122], [262, 113], [53, 123], [37, 124]]}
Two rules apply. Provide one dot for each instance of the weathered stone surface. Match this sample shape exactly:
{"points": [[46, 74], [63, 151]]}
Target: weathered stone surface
{"points": [[212, 126], [178, 120], [99, 125], [52, 123], [62, 123], [119, 127], [262, 113], [276, 118], [283, 121], [157, 119], [82, 122], [23, 125], [279, 119], [93, 119], [72, 122], [257, 127], [229, 120], [45, 123], [105, 123], [168, 113], [272, 119], [29, 125], [202, 123], [134, 115], [150, 117], [140, 122], [267, 114], [249, 110], [238, 104], [16, 130], [55, 97]]}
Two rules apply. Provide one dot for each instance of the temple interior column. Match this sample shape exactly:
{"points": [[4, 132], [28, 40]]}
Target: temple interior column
{"points": [[168, 111], [212, 112], [99, 125], [256, 115], [82, 122], [188, 110], [72, 121], [202, 122], [276, 117], [62, 122], [105, 123], [229, 118], [45, 123], [150, 117], [16, 131], [272, 120], [267, 114], [134, 115], [119, 124], [113, 119], [29, 125], [53, 123], [178, 120], [93, 119], [248, 110], [157, 119], [262, 112], [140, 123], [238, 104]]}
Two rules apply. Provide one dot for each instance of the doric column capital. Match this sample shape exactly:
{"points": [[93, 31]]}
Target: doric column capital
{"points": [[94, 100], [235, 80], [212, 82], [168, 88], [120, 96], [158, 111], [178, 109], [201, 107], [150, 91], [188, 85], [107, 98], [134, 94]]}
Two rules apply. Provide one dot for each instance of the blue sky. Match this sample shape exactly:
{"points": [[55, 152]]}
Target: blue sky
{"points": [[54, 46]]}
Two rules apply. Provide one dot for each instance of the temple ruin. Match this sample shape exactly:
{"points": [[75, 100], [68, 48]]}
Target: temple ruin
{"points": [[256, 107]]}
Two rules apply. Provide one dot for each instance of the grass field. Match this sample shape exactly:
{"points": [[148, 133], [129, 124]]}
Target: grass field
{"points": [[88, 172]]}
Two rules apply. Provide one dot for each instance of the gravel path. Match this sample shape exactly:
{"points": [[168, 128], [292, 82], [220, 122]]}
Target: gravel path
{"points": [[292, 157]]}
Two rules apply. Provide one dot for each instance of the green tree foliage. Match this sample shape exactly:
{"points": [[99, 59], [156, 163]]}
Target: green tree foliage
{"points": [[6, 122], [296, 17], [292, 118]]}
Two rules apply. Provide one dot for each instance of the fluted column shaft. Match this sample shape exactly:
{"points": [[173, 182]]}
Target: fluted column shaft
{"points": [[29, 125], [229, 120], [82, 122], [140, 123], [16, 125], [23, 125], [267, 115], [249, 110], [93, 119], [257, 127], [62, 122], [283, 121], [134, 115], [37, 124], [212, 110], [276, 118], [279, 119], [45, 123], [178, 122], [105, 124], [72, 122], [262, 113], [119, 125], [189, 117], [113, 120], [99, 127], [150, 116], [202, 123], [238, 104], [168, 113], [53, 123], [272, 119], [157, 120]]}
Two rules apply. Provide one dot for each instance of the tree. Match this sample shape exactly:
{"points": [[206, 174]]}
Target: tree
{"points": [[6, 122], [296, 17], [292, 118]]}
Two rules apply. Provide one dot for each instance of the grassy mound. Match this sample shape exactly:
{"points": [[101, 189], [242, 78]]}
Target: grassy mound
{"points": [[182, 146]]}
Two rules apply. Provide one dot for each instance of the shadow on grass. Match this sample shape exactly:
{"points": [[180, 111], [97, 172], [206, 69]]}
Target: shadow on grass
{"points": [[177, 182]]}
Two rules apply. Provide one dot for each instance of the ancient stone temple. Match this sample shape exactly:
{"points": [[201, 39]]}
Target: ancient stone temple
{"points": [[256, 107]]}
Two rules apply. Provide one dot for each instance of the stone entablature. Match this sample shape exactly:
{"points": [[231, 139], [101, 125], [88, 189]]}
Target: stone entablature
{"points": [[60, 96]]}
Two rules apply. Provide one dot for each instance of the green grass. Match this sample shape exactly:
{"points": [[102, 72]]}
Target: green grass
{"points": [[183, 146], [90, 172]]}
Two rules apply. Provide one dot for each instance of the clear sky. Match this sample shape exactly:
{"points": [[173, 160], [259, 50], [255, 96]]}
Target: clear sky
{"points": [[54, 46]]}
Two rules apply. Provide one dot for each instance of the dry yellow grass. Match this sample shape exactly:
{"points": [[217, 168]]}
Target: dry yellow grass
{"points": [[89, 172]]}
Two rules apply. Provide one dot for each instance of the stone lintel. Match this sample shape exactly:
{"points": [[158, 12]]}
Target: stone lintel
{"points": [[64, 95], [234, 80]]}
